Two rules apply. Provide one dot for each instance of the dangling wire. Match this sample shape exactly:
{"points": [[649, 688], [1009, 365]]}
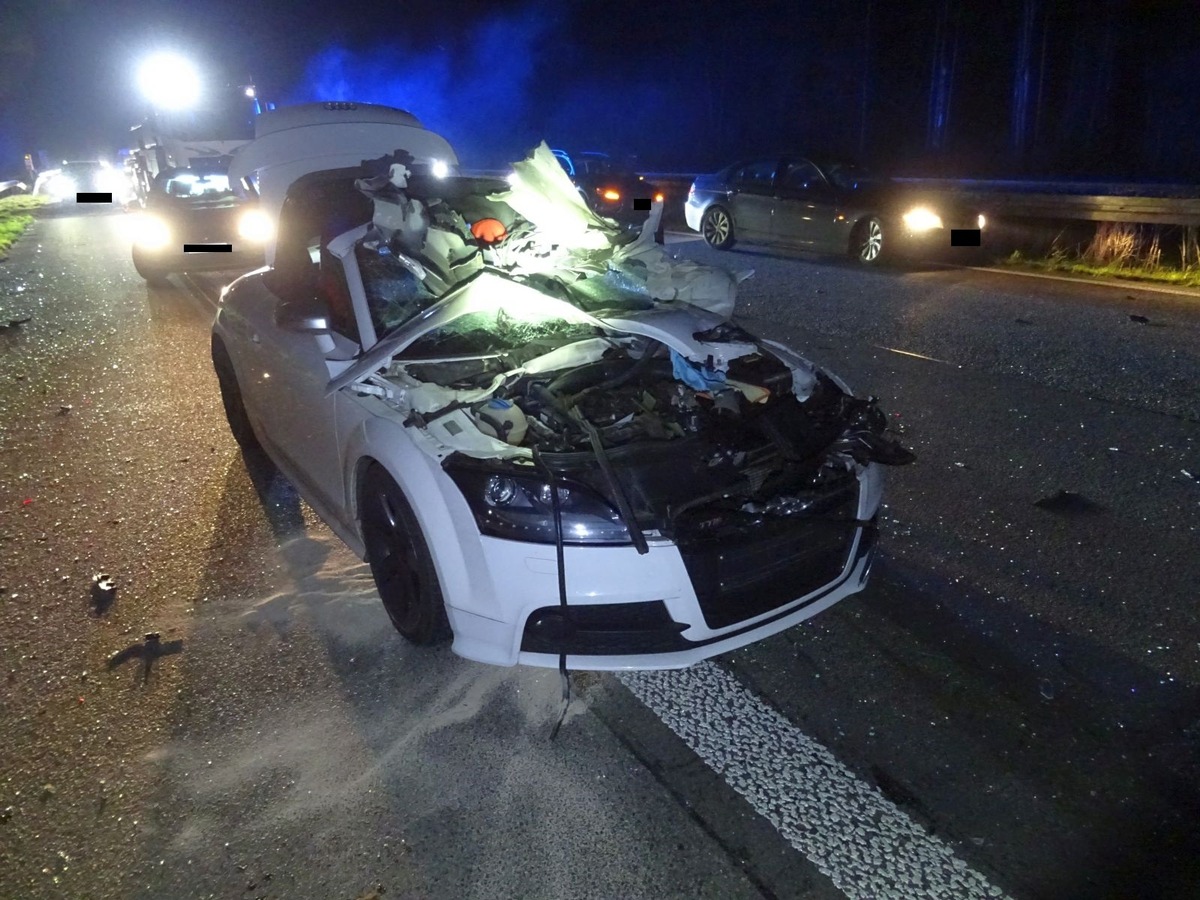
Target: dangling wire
{"points": [[566, 694], [562, 590]]}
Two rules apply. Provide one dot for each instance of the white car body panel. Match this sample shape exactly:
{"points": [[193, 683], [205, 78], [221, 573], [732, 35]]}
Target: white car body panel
{"points": [[323, 413]]}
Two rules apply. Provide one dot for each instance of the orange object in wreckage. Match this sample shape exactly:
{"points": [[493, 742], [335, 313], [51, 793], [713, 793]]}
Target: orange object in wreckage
{"points": [[489, 231]]}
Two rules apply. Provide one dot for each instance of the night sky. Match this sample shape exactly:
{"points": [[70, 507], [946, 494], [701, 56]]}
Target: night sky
{"points": [[1104, 88]]}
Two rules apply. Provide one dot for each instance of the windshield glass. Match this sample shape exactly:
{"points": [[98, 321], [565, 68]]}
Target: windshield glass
{"points": [[82, 169], [600, 164], [191, 186], [496, 331], [395, 292]]}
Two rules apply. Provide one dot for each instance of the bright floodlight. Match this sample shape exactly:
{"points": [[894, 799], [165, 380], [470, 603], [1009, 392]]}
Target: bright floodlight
{"points": [[169, 81]]}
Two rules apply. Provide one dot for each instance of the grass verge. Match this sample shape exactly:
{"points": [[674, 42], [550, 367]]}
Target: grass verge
{"points": [[15, 218], [1164, 255]]}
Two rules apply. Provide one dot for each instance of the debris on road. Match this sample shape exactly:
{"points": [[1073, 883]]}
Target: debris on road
{"points": [[1067, 503], [15, 323], [1142, 320], [104, 592], [1023, 321]]}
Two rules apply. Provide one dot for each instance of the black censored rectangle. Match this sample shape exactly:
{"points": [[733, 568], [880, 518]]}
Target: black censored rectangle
{"points": [[208, 248], [964, 237], [642, 203], [93, 197]]}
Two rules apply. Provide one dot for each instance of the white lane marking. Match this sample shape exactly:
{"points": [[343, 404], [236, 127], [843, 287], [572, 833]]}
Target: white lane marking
{"points": [[850, 831], [1123, 284], [910, 353]]}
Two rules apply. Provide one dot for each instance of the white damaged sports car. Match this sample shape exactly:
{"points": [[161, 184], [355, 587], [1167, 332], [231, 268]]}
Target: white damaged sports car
{"points": [[543, 434]]}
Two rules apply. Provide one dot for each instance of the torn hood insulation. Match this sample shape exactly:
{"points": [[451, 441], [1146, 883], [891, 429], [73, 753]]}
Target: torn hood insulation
{"points": [[518, 330]]}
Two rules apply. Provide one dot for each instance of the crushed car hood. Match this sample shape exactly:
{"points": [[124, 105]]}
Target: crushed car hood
{"points": [[673, 324], [520, 329]]}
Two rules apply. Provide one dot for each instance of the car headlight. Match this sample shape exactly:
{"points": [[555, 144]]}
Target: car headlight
{"points": [[151, 232], [611, 195], [922, 219], [109, 181], [254, 225], [982, 220], [62, 186], [521, 508]]}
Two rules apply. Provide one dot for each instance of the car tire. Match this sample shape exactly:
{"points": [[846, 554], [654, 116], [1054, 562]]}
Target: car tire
{"points": [[400, 560], [716, 227], [155, 276], [867, 241], [231, 398]]}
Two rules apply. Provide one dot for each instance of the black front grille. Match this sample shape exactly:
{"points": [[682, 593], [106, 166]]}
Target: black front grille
{"points": [[743, 565]]}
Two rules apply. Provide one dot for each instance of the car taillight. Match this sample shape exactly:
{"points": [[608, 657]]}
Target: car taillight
{"points": [[611, 195]]}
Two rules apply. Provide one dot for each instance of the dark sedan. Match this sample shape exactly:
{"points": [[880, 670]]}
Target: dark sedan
{"points": [[609, 187], [193, 222], [826, 206]]}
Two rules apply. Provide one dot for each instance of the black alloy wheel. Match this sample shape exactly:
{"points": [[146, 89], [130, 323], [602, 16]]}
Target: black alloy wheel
{"points": [[717, 228], [400, 561], [155, 276], [231, 398]]}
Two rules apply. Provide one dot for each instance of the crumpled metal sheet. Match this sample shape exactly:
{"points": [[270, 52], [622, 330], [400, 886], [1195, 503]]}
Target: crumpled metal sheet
{"points": [[542, 193], [569, 238]]}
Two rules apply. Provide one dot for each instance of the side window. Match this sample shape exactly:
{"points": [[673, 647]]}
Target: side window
{"points": [[756, 177], [314, 213], [802, 176]]}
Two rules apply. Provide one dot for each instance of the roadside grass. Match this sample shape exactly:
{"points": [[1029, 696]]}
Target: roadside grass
{"points": [[1124, 250], [15, 218]]}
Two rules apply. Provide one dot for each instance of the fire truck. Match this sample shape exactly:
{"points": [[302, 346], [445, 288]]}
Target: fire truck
{"points": [[202, 139]]}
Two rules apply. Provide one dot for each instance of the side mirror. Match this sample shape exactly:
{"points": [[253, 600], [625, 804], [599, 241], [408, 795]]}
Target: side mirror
{"points": [[303, 317]]}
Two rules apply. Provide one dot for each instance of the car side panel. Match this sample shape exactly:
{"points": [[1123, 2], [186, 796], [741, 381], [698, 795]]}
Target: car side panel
{"points": [[283, 378], [371, 430], [751, 215]]}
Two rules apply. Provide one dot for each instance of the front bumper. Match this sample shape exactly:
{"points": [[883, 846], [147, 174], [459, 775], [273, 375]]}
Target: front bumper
{"points": [[175, 259], [659, 610], [643, 636]]}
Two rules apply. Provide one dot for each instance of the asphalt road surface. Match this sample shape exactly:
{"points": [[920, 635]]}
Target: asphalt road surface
{"points": [[1010, 708]]}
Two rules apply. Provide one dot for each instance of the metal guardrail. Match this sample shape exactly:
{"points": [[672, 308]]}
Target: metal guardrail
{"points": [[1148, 204], [1089, 208]]}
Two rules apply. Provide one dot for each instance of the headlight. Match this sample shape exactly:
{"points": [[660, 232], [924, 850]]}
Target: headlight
{"points": [[151, 232], [439, 169], [982, 220], [254, 225], [521, 508], [611, 196], [110, 182], [922, 219], [62, 186]]}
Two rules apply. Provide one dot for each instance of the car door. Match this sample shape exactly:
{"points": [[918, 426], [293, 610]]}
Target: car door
{"points": [[752, 198], [806, 208], [304, 344]]}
